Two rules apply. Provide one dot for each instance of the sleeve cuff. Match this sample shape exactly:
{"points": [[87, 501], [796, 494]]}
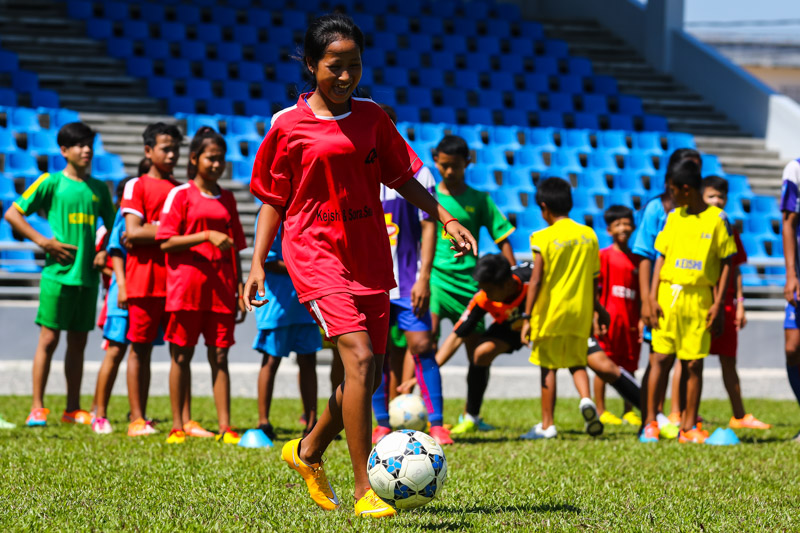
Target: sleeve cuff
{"points": [[504, 236], [131, 211]]}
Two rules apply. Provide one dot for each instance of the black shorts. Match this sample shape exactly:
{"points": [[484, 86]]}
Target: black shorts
{"points": [[594, 346], [503, 332]]}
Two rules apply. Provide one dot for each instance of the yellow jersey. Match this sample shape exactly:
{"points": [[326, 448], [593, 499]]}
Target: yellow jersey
{"points": [[694, 246], [565, 304]]}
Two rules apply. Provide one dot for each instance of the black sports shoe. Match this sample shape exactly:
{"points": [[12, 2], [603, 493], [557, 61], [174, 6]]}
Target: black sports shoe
{"points": [[268, 430]]}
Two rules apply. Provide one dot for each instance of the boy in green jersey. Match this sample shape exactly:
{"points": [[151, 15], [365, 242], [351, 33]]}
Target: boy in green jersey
{"points": [[452, 284], [73, 202]]}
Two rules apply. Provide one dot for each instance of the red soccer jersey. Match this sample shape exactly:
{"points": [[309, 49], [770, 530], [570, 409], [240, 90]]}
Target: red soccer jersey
{"points": [[326, 173], [145, 267], [202, 278], [619, 294], [739, 258]]}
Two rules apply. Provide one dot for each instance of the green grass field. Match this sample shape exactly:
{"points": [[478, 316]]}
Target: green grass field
{"points": [[66, 478]]}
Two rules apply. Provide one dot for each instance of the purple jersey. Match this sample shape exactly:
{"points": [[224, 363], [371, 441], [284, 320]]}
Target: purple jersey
{"points": [[405, 233], [790, 199]]}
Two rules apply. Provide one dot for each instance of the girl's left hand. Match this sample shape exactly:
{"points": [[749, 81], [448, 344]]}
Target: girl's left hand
{"points": [[242, 310], [462, 239]]}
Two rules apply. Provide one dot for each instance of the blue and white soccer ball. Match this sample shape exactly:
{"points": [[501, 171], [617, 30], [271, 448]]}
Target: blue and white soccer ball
{"points": [[408, 411], [407, 469]]}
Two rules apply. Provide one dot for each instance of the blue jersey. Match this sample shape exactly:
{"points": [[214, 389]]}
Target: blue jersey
{"points": [[283, 309], [651, 221], [114, 244], [790, 199]]}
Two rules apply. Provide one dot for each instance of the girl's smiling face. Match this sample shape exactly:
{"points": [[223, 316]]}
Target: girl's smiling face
{"points": [[338, 73]]}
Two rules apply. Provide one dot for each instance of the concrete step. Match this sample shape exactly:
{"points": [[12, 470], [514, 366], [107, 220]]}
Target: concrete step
{"points": [[738, 142]]}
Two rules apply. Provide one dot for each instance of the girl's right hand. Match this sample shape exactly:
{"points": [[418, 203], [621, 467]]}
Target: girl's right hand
{"points": [[525, 333], [462, 239], [656, 313], [220, 240], [254, 286]]}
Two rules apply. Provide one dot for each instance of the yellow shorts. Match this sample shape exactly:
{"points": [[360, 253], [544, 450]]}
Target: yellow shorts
{"points": [[567, 351], [682, 330]]}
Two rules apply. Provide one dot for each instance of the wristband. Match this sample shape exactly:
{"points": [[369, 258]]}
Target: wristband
{"points": [[449, 221], [525, 316], [206, 235]]}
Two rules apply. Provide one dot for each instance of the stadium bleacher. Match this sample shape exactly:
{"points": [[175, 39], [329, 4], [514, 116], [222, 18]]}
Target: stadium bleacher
{"points": [[526, 106]]}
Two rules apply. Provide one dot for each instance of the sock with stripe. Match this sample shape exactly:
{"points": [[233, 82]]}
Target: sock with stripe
{"points": [[627, 387], [430, 383], [380, 400]]}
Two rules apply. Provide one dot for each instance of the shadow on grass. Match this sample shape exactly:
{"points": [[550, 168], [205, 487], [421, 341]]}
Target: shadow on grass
{"points": [[497, 509]]}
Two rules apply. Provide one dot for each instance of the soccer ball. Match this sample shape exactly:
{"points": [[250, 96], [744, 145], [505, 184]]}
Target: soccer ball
{"points": [[408, 412], [407, 469]]}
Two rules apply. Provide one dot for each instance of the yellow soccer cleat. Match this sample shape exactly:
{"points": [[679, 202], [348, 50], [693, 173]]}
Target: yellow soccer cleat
{"points": [[610, 419], [464, 426], [319, 488], [371, 505], [176, 436], [632, 418]]}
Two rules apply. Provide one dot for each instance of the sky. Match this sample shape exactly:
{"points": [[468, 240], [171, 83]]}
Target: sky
{"points": [[786, 11]]}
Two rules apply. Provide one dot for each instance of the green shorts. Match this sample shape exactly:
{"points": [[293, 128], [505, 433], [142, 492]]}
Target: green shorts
{"points": [[446, 304], [398, 337], [66, 307]]}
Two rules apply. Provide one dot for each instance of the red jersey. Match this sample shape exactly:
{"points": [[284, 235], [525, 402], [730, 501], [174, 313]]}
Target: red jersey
{"points": [[619, 294], [145, 268], [739, 258], [202, 278], [325, 174]]}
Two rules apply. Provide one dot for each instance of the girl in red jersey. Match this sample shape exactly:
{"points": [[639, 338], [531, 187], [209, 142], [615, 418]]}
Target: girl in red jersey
{"points": [[201, 234], [319, 172]]}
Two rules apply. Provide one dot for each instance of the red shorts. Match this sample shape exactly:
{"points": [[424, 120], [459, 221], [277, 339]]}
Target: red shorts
{"points": [[184, 328], [624, 350], [145, 315], [727, 343], [342, 312]]}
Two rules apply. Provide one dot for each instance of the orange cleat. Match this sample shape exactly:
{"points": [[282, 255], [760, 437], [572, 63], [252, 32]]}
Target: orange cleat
{"points": [[748, 421], [694, 435], [379, 432], [78, 416], [193, 429]]}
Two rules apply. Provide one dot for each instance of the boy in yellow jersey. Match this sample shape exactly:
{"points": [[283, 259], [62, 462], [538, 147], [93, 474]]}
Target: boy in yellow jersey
{"points": [[560, 304], [74, 203], [689, 282]]}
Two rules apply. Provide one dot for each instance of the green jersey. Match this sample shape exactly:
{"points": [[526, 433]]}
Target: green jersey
{"points": [[473, 209], [73, 208]]}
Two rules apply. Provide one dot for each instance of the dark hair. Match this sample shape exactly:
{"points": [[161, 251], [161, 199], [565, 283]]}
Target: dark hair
{"points": [[453, 145], [390, 111], [75, 133], [322, 32], [556, 195], [616, 212], [120, 190], [144, 166], [152, 131], [492, 268], [204, 136], [717, 183], [687, 173], [679, 156]]}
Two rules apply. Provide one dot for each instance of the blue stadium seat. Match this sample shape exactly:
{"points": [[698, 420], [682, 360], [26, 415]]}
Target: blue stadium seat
{"points": [[521, 46], [108, 167], [467, 79], [603, 161], [759, 226], [677, 140], [568, 160], [613, 141], [502, 81], [187, 14], [365, 21], [59, 116], [24, 81], [8, 97], [753, 246], [750, 277], [80, 9], [97, 146], [396, 76], [193, 50], [242, 170], [9, 62], [136, 29], [505, 137], [542, 138], [532, 30], [180, 104], [223, 16], [556, 48], [19, 261], [477, 61], [22, 119], [382, 40], [711, 165], [629, 105], [579, 66], [156, 49], [490, 99], [530, 159], [195, 121], [493, 157], [251, 71], [545, 65], [569, 84], [655, 123], [56, 163], [478, 115], [209, 33], [738, 186], [431, 77], [121, 48], [173, 32], [116, 11], [489, 45], [177, 68], [396, 23], [430, 25], [429, 133], [236, 90], [409, 8], [44, 98], [765, 206], [21, 164], [588, 121], [385, 94], [7, 142], [498, 28], [550, 119], [561, 102], [198, 89], [43, 142], [153, 13], [511, 63], [215, 70], [463, 26], [631, 182], [443, 114], [408, 113], [219, 106], [620, 122], [583, 201], [471, 135], [229, 52], [419, 97], [594, 181], [604, 85], [99, 29], [160, 87], [443, 60], [257, 107], [478, 11], [408, 59], [595, 103], [578, 140], [519, 180], [513, 117], [507, 201], [486, 244], [139, 67], [454, 44], [481, 177], [640, 161], [455, 98], [245, 34], [649, 142]]}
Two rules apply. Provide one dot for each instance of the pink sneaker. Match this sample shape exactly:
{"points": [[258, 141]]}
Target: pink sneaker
{"points": [[101, 426], [441, 435], [378, 433]]}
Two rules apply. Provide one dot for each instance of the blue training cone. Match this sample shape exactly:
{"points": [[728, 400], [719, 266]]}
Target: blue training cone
{"points": [[255, 438], [723, 437]]}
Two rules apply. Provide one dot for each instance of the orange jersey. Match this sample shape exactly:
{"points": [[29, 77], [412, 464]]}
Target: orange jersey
{"points": [[509, 313]]}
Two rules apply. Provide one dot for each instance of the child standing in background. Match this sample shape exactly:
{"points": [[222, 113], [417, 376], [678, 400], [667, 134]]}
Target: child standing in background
{"points": [[201, 234]]}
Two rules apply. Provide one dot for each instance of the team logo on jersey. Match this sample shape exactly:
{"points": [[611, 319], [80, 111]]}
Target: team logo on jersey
{"points": [[371, 157], [391, 228]]}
